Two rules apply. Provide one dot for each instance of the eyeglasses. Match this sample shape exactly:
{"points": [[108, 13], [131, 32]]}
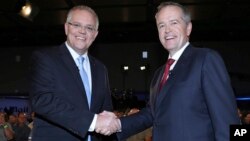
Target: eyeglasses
{"points": [[88, 28]]}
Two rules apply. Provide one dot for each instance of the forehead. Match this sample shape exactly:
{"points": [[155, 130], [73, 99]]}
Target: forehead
{"points": [[82, 16], [169, 12]]}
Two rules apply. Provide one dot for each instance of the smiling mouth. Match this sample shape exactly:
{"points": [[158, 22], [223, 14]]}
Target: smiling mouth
{"points": [[80, 38], [169, 37]]}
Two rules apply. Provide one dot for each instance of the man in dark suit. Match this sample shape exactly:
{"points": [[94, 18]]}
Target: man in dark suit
{"points": [[67, 108], [196, 103]]}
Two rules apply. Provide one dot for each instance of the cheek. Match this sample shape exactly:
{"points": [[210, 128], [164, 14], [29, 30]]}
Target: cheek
{"points": [[182, 33], [161, 34], [92, 38]]}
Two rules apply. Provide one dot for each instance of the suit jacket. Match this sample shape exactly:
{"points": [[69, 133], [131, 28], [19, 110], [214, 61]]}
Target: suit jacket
{"points": [[58, 96], [196, 104]]}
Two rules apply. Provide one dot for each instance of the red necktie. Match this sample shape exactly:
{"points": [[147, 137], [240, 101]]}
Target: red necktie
{"points": [[166, 72]]}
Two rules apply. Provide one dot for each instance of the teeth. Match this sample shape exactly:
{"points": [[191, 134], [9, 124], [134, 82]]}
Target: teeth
{"points": [[169, 37], [80, 38]]}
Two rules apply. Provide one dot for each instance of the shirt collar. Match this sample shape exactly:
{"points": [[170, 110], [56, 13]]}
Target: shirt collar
{"points": [[178, 54], [74, 54]]}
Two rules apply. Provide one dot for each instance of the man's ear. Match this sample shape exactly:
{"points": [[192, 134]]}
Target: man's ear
{"points": [[189, 29]]}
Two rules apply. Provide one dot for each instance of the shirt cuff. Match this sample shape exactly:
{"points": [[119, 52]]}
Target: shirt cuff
{"points": [[119, 130], [92, 126]]}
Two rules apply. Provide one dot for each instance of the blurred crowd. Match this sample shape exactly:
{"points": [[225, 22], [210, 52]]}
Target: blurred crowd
{"points": [[244, 116], [16, 127]]}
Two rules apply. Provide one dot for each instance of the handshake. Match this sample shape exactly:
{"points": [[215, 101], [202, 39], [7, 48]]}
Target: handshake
{"points": [[107, 123]]}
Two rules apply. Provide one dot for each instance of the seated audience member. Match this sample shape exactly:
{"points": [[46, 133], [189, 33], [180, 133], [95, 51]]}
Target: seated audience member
{"points": [[12, 119], [21, 129], [6, 132], [31, 120], [246, 117], [240, 114]]}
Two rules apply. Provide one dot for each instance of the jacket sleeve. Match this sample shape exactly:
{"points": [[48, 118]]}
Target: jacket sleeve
{"points": [[219, 95], [135, 123]]}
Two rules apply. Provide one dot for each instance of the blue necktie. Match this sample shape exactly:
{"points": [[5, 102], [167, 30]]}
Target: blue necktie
{"points": [[85, 82], [84, 77]]}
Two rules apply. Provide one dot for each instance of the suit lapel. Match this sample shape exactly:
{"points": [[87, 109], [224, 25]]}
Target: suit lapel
{"points": [[154, 90], [180, 66], [71, 66], [94, 80]]}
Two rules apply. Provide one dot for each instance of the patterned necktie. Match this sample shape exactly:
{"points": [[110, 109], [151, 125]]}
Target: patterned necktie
{"points": [[166, 72], [84, 77]]}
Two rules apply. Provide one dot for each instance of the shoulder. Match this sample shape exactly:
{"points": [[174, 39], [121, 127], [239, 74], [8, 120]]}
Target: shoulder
{"points": [[209, 58], [202, 53], [48, 51], [202, 50]]}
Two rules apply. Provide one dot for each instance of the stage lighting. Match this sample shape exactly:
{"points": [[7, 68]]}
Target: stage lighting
{"points": [[28, 10], [142, 68], [125, 68]]}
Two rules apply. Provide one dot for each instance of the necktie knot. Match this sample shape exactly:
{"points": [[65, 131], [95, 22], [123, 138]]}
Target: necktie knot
{"points": [[170, 61], [80, 60]]}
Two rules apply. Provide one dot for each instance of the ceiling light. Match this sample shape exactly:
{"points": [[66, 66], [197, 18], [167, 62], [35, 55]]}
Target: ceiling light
{"points": [[125, 68], [28, 10]]}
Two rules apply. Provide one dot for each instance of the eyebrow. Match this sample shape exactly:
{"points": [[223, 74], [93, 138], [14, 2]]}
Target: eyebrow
{"points": [[74, 22], [168, 21]]}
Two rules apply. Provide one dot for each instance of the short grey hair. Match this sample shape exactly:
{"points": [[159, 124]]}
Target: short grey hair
{"points": [[83, 7], [186, 14]]}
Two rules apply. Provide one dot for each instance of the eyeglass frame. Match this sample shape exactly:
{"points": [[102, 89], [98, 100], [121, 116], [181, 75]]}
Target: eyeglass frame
{"points": [[78, 26]]}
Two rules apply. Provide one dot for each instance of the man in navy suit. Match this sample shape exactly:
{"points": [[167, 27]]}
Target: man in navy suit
{"points": [[197, 102], [57, 92]]}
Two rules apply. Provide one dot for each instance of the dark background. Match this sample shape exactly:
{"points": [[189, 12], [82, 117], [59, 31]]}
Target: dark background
{"points": [[127, 28]]}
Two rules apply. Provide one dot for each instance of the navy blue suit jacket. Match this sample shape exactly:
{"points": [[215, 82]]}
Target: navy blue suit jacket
{"points": [[58, 96], [196, 104]]}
